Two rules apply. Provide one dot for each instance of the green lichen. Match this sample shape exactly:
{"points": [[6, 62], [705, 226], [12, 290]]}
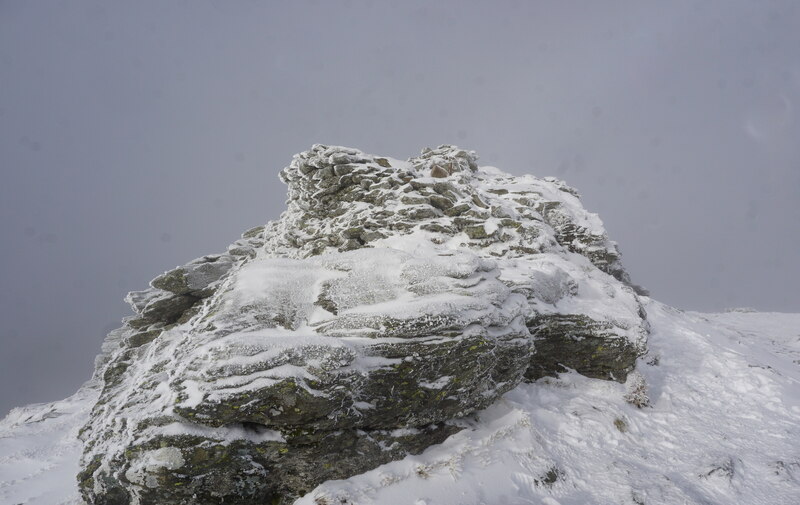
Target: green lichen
{"points": [[173, 281], [576, 341]]}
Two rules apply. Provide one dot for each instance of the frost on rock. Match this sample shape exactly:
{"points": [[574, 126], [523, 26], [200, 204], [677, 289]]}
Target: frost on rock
{"points": [[389, 301]]}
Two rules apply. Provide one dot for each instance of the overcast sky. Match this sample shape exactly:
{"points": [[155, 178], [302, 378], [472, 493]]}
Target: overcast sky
{"points": [[135, 136]]}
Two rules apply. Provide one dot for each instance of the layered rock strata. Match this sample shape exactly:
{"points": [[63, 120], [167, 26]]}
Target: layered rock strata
{"points": [[391, 299]]}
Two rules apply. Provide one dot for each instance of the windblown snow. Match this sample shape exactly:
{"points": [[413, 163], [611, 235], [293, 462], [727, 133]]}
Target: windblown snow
{"points": [[718, 423]]}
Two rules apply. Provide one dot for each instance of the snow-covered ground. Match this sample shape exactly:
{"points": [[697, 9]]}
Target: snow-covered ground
{"points": [[39, 451], [722, 427]]}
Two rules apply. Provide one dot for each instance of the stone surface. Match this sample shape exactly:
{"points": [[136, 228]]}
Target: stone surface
{"points": [[392, 299]]}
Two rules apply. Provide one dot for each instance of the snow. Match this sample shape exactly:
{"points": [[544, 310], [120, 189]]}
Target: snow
{"points": [[720, 430], [227, 434], [167, 457], [718, 393], [438, 383], [723, 427], [39, 451]]}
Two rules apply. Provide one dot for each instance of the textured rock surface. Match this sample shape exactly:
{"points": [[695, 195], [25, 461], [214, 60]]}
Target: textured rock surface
{"points": [[391, 299]]}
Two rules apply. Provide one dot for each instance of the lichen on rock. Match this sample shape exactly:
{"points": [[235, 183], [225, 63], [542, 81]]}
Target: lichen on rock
{"points": [[389, 301]]}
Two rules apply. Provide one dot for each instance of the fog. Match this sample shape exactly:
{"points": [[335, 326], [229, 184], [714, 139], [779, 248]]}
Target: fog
{"points": [[135, 136]]}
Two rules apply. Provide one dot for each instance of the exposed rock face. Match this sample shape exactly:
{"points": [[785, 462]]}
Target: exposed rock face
{"points": [[391, 299]]}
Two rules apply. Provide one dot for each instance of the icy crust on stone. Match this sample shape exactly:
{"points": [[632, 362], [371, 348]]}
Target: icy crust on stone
{"points": [[295, 351], [354, 340], [342, 199], [391, 299]]}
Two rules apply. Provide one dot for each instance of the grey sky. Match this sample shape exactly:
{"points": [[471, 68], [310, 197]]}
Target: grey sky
{"points": [[135, 136]]}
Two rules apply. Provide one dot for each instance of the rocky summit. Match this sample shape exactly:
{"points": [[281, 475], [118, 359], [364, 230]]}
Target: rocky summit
{"points": [[391, 300]]}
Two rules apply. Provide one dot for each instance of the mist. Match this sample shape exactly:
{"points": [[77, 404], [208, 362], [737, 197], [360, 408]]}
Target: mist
{"points": [[135, 136]]}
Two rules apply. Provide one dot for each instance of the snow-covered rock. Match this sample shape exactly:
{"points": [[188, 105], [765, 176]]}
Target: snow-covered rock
{"points": [[722, 427], [390, 302]]}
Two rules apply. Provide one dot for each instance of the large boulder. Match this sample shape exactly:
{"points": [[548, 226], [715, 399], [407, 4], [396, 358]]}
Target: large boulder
{"points": [[391, 299]]}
